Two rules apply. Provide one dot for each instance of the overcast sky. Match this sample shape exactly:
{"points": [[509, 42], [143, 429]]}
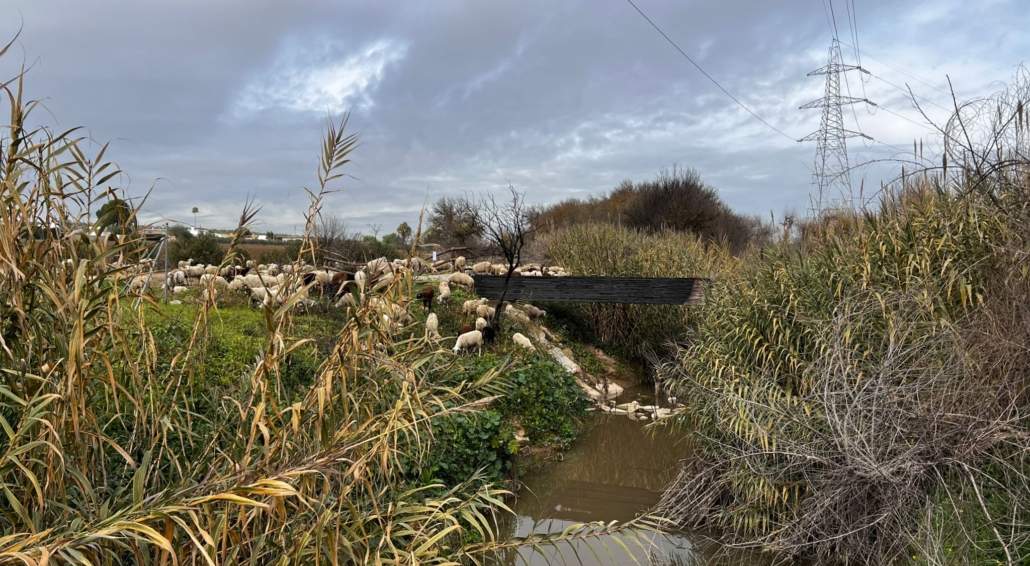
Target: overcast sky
{"points": [[212, 101]]}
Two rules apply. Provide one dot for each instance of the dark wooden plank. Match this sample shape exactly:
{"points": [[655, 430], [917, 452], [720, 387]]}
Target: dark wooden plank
{"points": [[620, 290]]}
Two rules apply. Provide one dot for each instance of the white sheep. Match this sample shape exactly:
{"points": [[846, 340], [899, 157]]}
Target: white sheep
{"points": [[499, 269], [237, 285], [179, 289], [461, 279], [472, 338], [470, 306], [532, 311], [138, 282], [195, 271], [432, 326], [481, 267], [516, 315], [266, 295], [481, 323], [175, 278], [444, 293], [459, 263], [485, 311], [522, 341], [211, 270]]}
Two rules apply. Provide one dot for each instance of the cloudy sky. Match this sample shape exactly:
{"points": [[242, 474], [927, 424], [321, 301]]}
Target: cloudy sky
{"points": [[210, 102]]}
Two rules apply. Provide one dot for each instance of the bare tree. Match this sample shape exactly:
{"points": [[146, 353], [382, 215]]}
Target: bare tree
{"points": [[506, 227]]}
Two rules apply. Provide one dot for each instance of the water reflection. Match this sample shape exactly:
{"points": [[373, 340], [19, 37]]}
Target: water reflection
{"points": [[615, 472]]}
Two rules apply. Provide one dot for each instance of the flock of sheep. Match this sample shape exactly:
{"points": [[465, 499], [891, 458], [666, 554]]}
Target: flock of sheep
{"points": [[274, 285]]}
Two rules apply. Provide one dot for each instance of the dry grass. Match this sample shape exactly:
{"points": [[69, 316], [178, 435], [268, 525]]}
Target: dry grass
{"points": [[862, 393], [612, 250], [111, 454]]}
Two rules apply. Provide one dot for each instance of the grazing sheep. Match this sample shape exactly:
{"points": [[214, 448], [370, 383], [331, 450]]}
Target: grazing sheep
{"points": [[533, 312], [179, 289], [432, 326], [251, 264], [523, 342], [426, 296], [266, 296], [211, 270], [175, 278], [445, 292], [470, 306], [489, 334], [499, 269], [481, 323], [468, 340], [481, 267], [195, 271], [461, 279], [516, 315], [459, 263], [323, 277], [485, 311], [237, 285]]}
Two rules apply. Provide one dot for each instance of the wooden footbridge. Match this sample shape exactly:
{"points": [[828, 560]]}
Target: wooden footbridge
{"points": [[613, 290]]}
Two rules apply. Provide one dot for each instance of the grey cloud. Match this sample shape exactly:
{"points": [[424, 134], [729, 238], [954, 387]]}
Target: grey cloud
{"points": [[558, 98]]}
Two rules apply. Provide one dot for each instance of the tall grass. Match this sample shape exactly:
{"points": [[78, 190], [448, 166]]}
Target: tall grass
{"points": [[862, 394], [118, 445], [614, 250]]}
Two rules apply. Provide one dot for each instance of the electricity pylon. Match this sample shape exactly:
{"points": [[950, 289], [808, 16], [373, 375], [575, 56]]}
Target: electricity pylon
{"points": [[831, 173]]}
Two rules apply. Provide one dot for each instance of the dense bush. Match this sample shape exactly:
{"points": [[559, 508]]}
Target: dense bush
{"points": [[203, 248], [547, 403], [610, 250], [482, 443], [677, 201], [844, 390]]}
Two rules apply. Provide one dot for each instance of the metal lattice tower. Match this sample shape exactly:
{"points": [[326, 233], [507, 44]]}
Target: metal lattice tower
{"points": [[831, 173]]}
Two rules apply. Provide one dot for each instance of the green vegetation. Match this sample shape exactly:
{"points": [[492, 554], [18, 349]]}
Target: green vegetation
{"points": [[204, 248], [861, 389], [611, 250], [675, 201], [141, 433]]}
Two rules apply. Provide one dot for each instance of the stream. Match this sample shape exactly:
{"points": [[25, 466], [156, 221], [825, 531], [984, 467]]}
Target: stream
{"points": [[615, 471]]}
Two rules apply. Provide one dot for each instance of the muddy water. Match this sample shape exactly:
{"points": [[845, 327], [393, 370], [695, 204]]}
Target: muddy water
{"points": [[614, 472]]}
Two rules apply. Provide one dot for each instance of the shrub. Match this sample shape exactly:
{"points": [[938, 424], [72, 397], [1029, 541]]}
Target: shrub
{"points": [[467, 445], [547, 403], [609, 250], [676, 200], [840, 390]]}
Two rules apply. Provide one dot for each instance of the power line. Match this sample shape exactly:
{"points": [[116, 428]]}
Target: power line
{"points": [[705, 73], [909, 92], [908, 74]]}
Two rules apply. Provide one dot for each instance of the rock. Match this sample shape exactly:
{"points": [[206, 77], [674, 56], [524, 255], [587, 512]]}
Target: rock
{"points": [[632, 406], [565, 361]]}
